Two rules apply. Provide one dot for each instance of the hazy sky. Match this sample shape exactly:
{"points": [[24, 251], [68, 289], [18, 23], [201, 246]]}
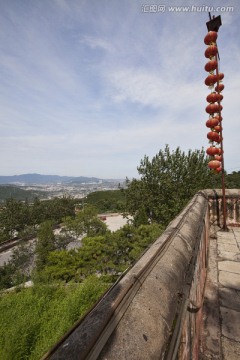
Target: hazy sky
{"points": [[88, 87]]}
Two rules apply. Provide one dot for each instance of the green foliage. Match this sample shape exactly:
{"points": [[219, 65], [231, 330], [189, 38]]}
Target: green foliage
{"points": [[86, 223], [167, 183], [45, 244], [61, 266], [6, 272], [233, 180], [107, 254], [107, 201], [20, 268], [32, 320], [12, 191], [55, 209], [11, 218], [46, 311], [21, 218], [21, 264]]}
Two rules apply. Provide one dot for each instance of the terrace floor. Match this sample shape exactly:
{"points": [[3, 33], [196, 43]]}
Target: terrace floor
{"points": [[221, 319]]}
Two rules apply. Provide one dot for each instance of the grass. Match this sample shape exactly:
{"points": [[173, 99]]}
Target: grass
{"points": [[33, 320]]}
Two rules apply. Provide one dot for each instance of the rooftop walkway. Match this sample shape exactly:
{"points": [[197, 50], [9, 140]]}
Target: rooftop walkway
{"points": [[221, 317]]}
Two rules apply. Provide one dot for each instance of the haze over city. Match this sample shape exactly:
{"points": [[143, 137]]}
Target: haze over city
{"points": [[89, 87]]}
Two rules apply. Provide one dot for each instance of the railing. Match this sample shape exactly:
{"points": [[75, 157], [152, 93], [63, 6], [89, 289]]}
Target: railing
{"points": [[232, 205], [155, 310]]}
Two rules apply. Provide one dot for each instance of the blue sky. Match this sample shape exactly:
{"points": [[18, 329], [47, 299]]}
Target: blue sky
{"points": [[89, 87]]}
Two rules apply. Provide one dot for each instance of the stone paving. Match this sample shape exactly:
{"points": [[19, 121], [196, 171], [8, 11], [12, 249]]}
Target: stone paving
{"points": [[221, 333]]}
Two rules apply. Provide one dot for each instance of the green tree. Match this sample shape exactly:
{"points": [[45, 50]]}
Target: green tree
{"points": [[61, 266], [233, 180], [167, 183], [19, 267], [11, 217], [45, 244], [106, 201], [85, 223], [37, 212], [22, 260], [96, 254], [6, 272]]}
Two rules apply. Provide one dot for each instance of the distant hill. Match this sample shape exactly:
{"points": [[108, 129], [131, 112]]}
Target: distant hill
{"points": [[29, 179], [11, 191]]}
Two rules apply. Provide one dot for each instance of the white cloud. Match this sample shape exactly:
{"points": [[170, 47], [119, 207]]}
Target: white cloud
{"points": [[90, 87]]}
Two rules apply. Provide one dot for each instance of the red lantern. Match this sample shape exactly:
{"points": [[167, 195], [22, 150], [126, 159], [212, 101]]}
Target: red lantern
{"points": [[218, 128], [220, 151], [213, 97], [211, 37], [211, 151], [211, 51], [213, 108], [214, 164], [220, 97], [211, 65], [210, 80], [218, 117], [212, 122], [219, 87], [220, 76], [218, 157], [219, 139], [219, 169], [213, 135]]}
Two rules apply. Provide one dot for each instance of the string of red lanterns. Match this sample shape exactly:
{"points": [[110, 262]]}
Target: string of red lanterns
{"points": [[214, 107]]}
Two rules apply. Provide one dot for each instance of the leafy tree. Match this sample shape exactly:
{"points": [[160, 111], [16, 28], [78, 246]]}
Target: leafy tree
{"points": [[22, 218], [167, 183], [141, 217], [61, 266], [22, 260], [19, 267], [37, 212], [108, 200], [29, 232], [3, 233], [233, 180], [6, 272], [62, 241], [58, 209], [85, 223], [45, 244], [11, 218], [107, 254], [96, 254]]}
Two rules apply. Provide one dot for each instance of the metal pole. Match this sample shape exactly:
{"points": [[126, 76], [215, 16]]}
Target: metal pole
{"points": [[221, 144]]}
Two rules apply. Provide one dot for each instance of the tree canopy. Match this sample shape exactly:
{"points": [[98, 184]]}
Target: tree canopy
{"points": [[21, 219], [167, 183]]}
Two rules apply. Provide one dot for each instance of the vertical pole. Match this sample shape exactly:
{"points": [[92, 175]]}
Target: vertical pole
{"points": [[221, 144]]}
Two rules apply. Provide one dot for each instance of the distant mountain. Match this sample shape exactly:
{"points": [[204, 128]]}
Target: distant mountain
{"points": [[29, 179]]}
